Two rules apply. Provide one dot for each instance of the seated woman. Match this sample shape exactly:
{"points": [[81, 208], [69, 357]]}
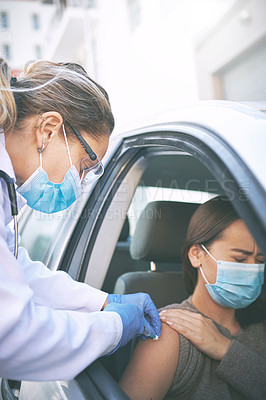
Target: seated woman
{"points": [[213, 345]]}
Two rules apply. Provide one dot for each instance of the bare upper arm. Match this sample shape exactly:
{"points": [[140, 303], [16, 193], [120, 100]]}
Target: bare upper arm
{"points": [[152, 367]]}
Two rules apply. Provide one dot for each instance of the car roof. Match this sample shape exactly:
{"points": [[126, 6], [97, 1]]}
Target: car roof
{"points": [[241, 125]]}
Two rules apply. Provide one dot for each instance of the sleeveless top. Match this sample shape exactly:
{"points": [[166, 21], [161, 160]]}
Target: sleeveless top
{"points": [[240, 375]]}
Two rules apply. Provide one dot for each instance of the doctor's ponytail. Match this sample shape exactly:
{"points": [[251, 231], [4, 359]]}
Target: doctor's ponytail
{"points": [[8, 109]]}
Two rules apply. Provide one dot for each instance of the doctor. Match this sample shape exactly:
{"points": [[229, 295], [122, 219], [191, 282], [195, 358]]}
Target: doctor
{"points": [[55, 125]]}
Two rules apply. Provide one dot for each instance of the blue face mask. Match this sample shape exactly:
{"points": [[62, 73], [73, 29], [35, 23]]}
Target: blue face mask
{"points": [[48, 197], [237, 284]]}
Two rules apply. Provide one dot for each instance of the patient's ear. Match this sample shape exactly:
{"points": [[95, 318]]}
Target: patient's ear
{"points": [[195, 255]]}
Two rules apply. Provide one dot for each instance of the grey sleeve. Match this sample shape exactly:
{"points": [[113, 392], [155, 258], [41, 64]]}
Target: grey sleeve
{"points": [[245, 370]]}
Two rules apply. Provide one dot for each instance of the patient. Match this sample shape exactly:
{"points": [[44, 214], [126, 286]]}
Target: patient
{"points": [[213, 345]]}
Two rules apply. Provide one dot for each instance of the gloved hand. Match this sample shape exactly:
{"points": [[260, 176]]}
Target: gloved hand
{"points": [[146, 305], [134, 323]]}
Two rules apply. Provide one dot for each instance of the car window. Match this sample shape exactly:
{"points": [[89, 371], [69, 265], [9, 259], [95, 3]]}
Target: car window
{"points": [[38, 232], [167, 177], [146, 194], [172, 178]]}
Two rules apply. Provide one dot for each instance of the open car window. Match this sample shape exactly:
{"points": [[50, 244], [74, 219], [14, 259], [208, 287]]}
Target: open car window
{"points": [[169, 177]]}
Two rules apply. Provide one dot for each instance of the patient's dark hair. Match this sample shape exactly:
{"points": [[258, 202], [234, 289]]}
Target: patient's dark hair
{"points": [[206, 226]]}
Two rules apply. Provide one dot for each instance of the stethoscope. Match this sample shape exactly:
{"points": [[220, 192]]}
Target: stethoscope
{"points": [[14, 207]]}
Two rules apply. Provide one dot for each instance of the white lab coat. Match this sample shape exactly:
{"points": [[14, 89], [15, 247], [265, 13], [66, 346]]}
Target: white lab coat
{"points": [[51, 327]]}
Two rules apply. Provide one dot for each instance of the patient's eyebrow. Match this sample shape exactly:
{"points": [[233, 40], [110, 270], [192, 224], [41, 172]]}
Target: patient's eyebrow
{"points": [[246, 252]]}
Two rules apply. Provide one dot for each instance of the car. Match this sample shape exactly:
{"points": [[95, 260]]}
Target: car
{"points": [[177, 159]]}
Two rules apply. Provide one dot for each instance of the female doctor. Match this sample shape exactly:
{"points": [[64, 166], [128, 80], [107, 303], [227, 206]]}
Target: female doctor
{"points": [[55, 125]]}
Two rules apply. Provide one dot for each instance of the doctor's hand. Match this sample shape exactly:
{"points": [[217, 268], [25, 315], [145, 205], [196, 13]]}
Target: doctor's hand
{"points": [[146, 305], [133, 320], [200, 330]]}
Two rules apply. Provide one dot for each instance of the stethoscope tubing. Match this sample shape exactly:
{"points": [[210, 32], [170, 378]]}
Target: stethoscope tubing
{"points": [[14, 207], [16, 236]]}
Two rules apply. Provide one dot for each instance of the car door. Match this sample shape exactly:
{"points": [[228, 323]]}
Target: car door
{"points": [[89, 245], [235, 179]]}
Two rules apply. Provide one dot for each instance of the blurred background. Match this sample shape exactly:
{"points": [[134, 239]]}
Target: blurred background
{"points": [[150, 55]]}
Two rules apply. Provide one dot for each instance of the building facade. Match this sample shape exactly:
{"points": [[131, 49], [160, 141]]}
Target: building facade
{"points": [[150, 55], [231, 59], [23, 30]]}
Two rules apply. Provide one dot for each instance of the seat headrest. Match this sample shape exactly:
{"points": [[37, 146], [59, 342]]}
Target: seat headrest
{"points": [[163, 287], [161, 231]]}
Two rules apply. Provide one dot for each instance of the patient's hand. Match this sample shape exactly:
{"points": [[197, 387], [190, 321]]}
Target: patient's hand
{"points": [[201, 331]]}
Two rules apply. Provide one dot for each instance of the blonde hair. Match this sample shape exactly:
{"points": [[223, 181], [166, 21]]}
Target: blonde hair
{"points": [[8, 109], [63, 87]]}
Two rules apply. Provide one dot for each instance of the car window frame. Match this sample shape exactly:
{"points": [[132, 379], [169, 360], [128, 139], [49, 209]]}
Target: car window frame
{"points": [[200, 142]]}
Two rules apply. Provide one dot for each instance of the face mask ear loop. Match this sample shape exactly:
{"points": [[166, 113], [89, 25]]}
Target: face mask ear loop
{"points": [[204, 277], [202, 273], [207, 251], [68, 152]]}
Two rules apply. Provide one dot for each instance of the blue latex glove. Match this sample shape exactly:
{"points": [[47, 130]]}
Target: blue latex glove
{"points": [[145, 304], [133, 320]]}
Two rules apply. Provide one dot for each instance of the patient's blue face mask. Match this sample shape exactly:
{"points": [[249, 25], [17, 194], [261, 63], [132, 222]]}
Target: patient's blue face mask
{"points": [[237, 284], [48, 197]]}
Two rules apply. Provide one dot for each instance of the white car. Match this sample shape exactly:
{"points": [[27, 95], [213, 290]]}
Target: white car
{"points": [[181, 157]]}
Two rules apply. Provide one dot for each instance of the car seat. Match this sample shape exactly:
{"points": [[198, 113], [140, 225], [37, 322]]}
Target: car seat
{"points": [[122, 261], [158, 238]]}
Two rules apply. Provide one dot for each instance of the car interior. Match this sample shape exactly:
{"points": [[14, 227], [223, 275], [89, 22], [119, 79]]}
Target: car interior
{"points": [[148, 255], [170, 195]]}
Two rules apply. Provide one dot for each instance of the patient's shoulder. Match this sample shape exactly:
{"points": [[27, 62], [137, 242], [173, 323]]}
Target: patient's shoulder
{"points": [[168, 343], [159, 351], [153, 365]]}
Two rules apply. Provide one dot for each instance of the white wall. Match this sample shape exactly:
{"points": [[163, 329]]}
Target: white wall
{"points": [[72, 40], [148, 70], [240, 29]]}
